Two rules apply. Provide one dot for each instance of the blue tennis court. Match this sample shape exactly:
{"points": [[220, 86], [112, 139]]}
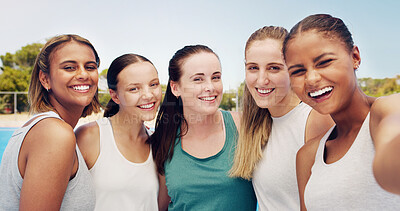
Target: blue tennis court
{"points": [[5, 135]]}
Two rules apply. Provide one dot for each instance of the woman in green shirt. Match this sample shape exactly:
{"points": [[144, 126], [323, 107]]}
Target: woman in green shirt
{"points": [[194, 142]]}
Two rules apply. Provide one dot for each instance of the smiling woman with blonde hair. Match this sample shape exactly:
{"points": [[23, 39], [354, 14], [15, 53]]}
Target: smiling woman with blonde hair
{"points": [[274, 124]]}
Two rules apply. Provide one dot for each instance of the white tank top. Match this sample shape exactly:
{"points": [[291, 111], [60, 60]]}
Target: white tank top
{"points": [[274, 179], [119, 183], [80, 193], [349, 183]]}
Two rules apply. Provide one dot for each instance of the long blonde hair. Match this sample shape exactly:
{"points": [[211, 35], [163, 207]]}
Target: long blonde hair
{"points": [[256, 122]]}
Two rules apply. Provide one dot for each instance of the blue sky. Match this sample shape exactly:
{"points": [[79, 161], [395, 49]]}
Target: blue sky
{"points": [[157, 28]]}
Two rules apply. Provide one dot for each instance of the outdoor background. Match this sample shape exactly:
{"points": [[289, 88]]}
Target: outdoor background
{"points": [[156, 29]]}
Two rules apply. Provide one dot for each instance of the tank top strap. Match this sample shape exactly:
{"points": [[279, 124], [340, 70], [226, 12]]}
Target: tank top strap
{"points": [[40, 116], [106, 134], [229, 123], [319, 156]]}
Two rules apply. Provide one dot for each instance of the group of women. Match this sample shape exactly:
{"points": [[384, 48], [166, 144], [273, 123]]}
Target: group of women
{"points": [[308, 137]]}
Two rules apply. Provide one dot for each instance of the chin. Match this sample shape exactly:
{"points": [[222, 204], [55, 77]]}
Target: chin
{"points": [[148, 117]]}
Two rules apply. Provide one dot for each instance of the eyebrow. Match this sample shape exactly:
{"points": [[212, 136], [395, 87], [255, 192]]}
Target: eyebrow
{"points": [[314, 60], [296, 66], [202, 74], [74, 62], [271, 63], [322, 55]]}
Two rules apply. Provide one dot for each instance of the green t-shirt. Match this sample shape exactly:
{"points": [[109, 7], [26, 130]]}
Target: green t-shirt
{"points": [[204, 184]]}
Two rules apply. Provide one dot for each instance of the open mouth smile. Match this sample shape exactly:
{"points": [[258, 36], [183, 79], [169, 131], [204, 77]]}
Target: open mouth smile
{"points": [[265, 91], [208, 98], [80, 88], [321, 92], [148, 106]]}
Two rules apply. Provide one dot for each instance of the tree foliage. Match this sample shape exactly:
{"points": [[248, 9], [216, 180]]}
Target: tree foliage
{"points": [[380, 87], [16, 72]]}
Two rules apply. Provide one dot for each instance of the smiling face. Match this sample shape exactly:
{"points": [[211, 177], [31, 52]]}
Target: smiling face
{"points": [[266, 73], [200, 86], [321, 70], [138, 91], [73, 77]]}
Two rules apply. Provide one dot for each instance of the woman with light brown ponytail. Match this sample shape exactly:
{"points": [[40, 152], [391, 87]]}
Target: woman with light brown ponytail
{"points": [[115, 148], [274, 124]]}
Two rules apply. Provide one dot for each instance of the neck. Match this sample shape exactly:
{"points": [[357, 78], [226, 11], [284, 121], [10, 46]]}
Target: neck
{"points": [[353, 114], [198, 123], [289, 102], [123, 123], [70, 116]]}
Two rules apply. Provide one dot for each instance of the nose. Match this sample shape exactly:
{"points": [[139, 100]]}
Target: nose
{"points": [[262, 77], [312, 77], [147, 94], [82, 73], [209, 86]]}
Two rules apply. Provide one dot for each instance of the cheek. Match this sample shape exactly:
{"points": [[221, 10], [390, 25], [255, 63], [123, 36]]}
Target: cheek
{"points": [[130, 99], [281, 80], [158, 93], [251, 79], [219, 87], [94, 76], [297, 84]]}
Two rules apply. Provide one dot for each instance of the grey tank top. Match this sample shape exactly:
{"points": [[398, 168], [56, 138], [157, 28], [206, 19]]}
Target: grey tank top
{"points": [[349, 183], [80, 194]]}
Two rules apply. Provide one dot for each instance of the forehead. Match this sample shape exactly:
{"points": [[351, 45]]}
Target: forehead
{"points": [[201, 63], [72, 50], [312, 43], [140, 72], [265, 49]]}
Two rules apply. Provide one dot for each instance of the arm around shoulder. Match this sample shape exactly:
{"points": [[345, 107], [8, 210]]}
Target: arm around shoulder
{"points": [[88, 140], [385, 132]]}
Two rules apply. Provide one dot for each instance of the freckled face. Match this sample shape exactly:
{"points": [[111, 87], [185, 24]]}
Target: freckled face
{"points": [[139, 90], [73, 76], [266, 73], [200, 86], [321, 71]]}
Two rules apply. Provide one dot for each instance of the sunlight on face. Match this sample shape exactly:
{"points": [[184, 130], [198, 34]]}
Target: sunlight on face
{"points": [[139, 90], [200, 86], [266, 73]]}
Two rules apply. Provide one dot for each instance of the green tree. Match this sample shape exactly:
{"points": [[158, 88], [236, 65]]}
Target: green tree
{"points": [[379, 87], [16, 73], [227, 102]]}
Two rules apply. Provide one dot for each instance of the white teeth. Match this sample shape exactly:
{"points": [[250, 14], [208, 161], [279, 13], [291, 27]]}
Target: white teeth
{"points": [[264, 91], [208, 98], [321, 91], [81, 87], [147, 105]]}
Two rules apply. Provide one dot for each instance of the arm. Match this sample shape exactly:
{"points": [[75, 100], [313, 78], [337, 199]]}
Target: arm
{"points": [[163, 198], [47, 161], [317, 125], [304, 161], [88, 140], [385, 132]]}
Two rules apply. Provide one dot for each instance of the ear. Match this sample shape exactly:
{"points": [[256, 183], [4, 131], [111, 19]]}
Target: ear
{"points": [[356, 57], [175, 89], [44, 79], [114, 96]]}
